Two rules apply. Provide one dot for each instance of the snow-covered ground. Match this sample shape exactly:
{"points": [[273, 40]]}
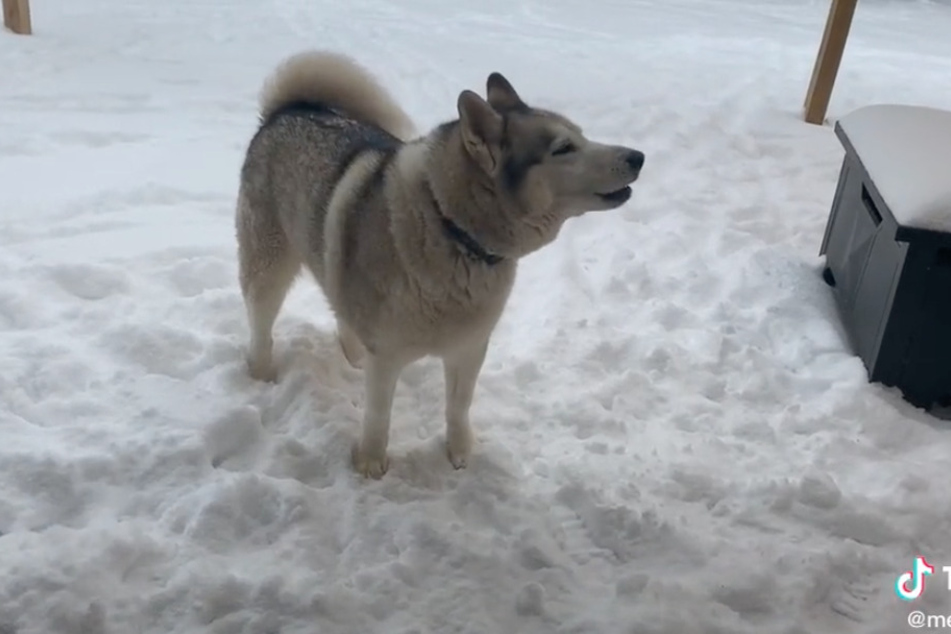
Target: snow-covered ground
{"points": [[674, 437]]}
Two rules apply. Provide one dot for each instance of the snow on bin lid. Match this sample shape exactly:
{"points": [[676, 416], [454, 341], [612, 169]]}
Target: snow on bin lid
{"points": [[907, 152]]}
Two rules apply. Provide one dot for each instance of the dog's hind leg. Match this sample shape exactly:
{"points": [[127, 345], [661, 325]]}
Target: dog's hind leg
{"points": [[462, 368], [266, 268]]}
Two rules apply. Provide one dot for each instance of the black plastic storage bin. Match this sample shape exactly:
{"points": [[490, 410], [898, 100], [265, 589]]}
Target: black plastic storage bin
{"points": [[888, 247]]}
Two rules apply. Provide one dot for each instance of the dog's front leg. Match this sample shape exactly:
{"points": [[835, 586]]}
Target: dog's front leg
{"points": [[381, 375], [462, 369]]}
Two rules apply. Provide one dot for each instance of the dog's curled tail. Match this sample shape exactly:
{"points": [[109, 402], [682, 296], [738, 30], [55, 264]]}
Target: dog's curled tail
{"points": [[337, 81]]}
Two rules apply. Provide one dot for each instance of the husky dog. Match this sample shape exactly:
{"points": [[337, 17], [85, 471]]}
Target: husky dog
{"points": [[413, 239]]}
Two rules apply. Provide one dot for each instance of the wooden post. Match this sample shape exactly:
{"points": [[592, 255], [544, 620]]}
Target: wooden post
{"points": [[827, 61], [16, 16]]}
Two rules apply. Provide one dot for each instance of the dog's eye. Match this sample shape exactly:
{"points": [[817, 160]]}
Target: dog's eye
{"points": [[564, 148]]}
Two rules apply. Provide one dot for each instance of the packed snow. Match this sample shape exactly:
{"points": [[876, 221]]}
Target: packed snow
{"points": [[907, 152], [674, 436]]}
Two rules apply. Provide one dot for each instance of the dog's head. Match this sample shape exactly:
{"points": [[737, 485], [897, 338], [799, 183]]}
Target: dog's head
{"points": [[540, 165]]}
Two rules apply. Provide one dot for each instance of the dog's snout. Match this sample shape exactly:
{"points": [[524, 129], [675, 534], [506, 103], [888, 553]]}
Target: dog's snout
{"points": [[635, 160]]}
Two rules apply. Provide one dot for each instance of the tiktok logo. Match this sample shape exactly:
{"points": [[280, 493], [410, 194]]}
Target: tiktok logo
{"points": [[911, 584]]}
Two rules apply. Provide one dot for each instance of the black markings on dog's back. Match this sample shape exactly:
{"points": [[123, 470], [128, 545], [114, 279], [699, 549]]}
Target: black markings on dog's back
{"points": [[368, 142], [333, 120], [350, 137], [300, 108]]}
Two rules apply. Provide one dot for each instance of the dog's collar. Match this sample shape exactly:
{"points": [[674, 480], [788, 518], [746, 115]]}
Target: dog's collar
{"points": [[458, 235], [467, 242]]}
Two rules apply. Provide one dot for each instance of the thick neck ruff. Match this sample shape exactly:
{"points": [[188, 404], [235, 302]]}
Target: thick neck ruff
{"points": [[457, 234]]}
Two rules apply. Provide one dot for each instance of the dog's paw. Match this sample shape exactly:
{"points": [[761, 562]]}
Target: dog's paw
{"points": [[370, 464], [458, 460], [459, 447], [262, 370]]}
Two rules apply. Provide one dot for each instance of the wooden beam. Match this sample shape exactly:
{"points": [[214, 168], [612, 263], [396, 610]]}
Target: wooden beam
{"points": [[16, 16], [827, 61]]}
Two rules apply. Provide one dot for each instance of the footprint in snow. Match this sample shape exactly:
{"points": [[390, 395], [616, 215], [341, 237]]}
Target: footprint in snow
{"points": [[233, 439]]}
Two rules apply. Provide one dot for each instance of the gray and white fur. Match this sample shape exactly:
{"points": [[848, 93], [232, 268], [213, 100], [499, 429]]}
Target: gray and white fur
{"points": [[413, 239]]}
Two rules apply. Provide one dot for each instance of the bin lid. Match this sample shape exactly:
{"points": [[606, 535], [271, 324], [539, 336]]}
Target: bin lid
{"points": [[907, 152]]}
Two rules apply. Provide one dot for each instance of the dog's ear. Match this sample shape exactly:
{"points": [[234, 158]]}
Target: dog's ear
{"points": [[501, 95], [481, 131]]}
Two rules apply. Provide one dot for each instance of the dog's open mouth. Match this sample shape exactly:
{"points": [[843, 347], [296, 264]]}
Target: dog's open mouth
{"points": [[617, 196]]}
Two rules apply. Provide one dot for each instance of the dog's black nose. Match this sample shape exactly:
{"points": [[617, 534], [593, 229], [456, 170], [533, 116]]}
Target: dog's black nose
{"points": [[636, 160]]}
